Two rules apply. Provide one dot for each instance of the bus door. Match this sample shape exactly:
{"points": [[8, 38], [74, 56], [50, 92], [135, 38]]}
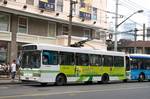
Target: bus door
{"points": [[128, 67]]}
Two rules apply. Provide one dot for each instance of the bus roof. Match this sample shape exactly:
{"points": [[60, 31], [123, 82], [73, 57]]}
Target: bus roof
{"points": [[139, 56], [75, 49]]}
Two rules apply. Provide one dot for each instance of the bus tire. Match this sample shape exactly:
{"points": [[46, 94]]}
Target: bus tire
{"points": [[105, 78], [88, 82], [125, 80], [61, 80], [141, 77]]}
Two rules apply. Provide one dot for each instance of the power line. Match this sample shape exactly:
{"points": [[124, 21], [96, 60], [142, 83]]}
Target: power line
{"points": [[130, 7], [135, 6]]}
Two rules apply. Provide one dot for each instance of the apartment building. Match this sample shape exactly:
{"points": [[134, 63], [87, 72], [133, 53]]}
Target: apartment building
{"points": [[47, 21]]}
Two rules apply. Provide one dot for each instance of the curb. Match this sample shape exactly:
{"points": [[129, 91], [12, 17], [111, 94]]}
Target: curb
{"points": [[10, 83]]}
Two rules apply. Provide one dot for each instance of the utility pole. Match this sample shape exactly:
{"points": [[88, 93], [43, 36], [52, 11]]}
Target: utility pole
{"points": [[143, 32], [143, 37], [135, 39], [116, 26], [70, 20], [70, 23]]}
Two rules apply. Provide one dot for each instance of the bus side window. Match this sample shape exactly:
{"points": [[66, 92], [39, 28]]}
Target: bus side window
{"points": [[45, 59], [95, 60], [82, 59], [66, 58], [51, 57], [108, 61]]}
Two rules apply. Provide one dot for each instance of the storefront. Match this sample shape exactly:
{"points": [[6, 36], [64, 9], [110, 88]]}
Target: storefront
{"points": [[3, 52]]}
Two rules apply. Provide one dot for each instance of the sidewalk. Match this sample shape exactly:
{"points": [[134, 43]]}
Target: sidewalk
{"points": [[7, 81]]}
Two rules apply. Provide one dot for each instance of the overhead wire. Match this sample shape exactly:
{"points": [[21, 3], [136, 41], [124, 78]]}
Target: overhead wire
{"points": [[136, 5], [131, 8]]}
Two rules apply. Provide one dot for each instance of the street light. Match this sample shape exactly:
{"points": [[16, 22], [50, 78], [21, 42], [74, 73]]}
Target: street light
{"points": [[117, 25]]}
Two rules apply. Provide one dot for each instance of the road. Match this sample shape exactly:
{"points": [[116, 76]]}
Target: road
{"points": [[132, 90]]}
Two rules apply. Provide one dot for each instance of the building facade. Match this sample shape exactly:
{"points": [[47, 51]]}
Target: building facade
{"points": [[47, 21], [129, 46]]}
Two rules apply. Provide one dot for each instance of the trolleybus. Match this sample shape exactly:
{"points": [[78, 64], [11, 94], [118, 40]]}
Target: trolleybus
{"points": [[60, 65]]}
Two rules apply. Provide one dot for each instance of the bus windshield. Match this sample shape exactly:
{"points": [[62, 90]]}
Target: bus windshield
{"points": [[31, 59]]}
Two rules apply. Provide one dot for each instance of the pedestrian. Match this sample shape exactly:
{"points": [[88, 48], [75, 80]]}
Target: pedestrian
{"points": [[13, 70], [8, 70]]}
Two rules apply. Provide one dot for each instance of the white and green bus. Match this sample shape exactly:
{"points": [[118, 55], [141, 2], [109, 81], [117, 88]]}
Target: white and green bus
{"points": [[60, 65]]}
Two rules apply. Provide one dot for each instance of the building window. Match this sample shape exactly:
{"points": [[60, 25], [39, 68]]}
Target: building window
{"points": [[22, 25], [87, 33], [65, 29], [85, 9], [94, 13], [30, 2], [102, 35], [3, 52], [4, 22], [51, 29], [48, 5], [131, 50], [97, 35], [74, 9], [60, 5]]}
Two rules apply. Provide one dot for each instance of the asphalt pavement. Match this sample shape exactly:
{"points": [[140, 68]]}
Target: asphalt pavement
{"points": [[130, 90], [6, 80]]}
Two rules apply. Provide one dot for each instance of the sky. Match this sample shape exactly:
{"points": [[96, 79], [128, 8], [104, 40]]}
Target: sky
{"points": [[128, 7]]}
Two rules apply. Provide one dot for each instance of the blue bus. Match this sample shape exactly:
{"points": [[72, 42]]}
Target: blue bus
{"points": [[138, 67]]}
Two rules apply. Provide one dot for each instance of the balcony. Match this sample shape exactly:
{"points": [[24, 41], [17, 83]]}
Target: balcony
{"points": [[59, 40], [5, 36]]}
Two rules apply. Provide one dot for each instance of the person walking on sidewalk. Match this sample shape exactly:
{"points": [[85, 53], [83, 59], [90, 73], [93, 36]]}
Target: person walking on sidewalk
{"points": [[13, 70]]}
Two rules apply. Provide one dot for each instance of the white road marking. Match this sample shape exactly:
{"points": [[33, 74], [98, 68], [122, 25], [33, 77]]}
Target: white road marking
{"points": [[68, 92]]}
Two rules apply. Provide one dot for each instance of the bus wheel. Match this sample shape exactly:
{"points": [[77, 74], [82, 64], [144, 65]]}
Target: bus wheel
{"points": [[125, 80], [105, 79], [61, 80], [141, 77]]}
